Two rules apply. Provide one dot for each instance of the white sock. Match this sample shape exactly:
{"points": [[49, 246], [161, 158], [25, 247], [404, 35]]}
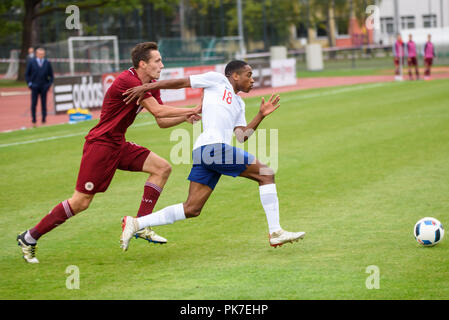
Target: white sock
{"points": [[28, 238], [270, 203], [168, 215]]}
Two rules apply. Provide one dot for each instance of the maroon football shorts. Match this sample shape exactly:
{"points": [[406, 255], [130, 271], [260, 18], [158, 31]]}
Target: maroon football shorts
{"points": [[397, 61], [100, 161], [412, 61]]}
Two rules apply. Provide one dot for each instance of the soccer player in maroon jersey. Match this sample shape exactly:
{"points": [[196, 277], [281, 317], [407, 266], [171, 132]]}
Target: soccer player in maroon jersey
{"points": [[398, 52], [412, 59], [429, 55], [106, 149]]}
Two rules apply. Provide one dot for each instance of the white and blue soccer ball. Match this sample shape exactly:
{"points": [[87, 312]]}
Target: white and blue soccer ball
{"points": [[428, 231]]}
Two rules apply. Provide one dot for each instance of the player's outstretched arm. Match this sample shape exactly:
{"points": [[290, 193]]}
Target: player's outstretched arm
{"points": [[171, 122], [139, 91], [266, 108], [159, 111]]}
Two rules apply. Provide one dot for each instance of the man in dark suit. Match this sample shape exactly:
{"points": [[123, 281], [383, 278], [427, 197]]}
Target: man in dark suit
{"points": [[39, 76]]}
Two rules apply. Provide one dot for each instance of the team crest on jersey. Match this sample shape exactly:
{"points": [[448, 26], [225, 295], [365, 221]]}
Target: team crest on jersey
{"points": [[89, 186]]}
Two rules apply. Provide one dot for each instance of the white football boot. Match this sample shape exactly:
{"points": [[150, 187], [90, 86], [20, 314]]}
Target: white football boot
{"points": [[129, 228], [149, 235], [28, 250], [280, 237]]}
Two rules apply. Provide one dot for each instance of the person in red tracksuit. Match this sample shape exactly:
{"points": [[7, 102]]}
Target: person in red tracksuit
{"points": [[398, 52], [412, 60], [429, 55]]}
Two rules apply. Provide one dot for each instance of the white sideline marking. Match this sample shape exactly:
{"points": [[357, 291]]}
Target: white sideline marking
{"points": [[40, 140], [18, 143], [336, 91]]}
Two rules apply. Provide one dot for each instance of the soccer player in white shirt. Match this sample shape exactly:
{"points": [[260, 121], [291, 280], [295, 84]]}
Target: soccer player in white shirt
{"points": [[223, 113]]}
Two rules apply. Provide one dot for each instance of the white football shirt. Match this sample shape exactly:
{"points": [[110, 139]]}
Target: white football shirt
{"points": [[223, 110]]}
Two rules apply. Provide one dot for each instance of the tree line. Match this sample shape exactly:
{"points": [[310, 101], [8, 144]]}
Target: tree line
{"points": [[265, 20]]}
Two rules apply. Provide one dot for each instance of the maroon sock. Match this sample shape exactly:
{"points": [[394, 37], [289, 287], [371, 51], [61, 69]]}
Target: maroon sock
{"points": [[151, 193], [57, 216]]}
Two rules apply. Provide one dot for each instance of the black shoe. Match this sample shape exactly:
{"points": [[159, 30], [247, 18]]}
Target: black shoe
{"points": [[28, 250]]}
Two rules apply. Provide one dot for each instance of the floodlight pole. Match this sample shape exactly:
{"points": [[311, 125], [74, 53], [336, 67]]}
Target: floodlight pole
{"points": [[398, 31], [182, 19], [396, 16], [240, 21], [71, 62]]}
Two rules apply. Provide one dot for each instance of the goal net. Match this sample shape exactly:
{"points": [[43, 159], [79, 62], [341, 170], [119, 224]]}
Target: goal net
{"points": [[84, 55]]}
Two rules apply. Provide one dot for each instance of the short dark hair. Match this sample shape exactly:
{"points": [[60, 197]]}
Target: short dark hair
{"points": [[142, 52], [234, 66]]}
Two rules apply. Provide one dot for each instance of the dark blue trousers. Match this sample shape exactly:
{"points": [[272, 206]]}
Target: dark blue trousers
{"points": [[35, 93]]}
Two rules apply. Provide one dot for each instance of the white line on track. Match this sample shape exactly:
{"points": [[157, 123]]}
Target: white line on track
{"points": [[13, 93]]}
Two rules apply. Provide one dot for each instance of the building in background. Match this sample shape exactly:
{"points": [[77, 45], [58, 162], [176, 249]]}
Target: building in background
{"points": [[428, 16]]}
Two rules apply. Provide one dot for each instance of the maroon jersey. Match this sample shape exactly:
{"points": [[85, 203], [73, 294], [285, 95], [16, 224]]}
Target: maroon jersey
{"points": [[116, 116]]}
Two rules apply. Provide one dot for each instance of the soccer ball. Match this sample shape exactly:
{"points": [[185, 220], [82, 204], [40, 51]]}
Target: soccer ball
{"points": [[428, 231]]}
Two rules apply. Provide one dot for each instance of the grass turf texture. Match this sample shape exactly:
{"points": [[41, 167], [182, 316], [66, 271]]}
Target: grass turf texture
{"points": [[358, 166], [4, 83]]}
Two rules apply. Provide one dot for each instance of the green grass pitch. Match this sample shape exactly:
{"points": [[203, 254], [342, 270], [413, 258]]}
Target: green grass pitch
{"points": [[358, 166]]}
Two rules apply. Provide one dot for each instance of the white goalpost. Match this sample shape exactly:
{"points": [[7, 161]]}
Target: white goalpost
{"points": [[104, 54], [13, 67]]}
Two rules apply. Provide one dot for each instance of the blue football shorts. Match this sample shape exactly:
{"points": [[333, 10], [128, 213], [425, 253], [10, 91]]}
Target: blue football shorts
{"points": [[213, 160]]}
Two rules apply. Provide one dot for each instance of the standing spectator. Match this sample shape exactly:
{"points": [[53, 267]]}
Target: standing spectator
{"points": [[429, 54], [398, 52], [411, 58], [39, 77]]}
